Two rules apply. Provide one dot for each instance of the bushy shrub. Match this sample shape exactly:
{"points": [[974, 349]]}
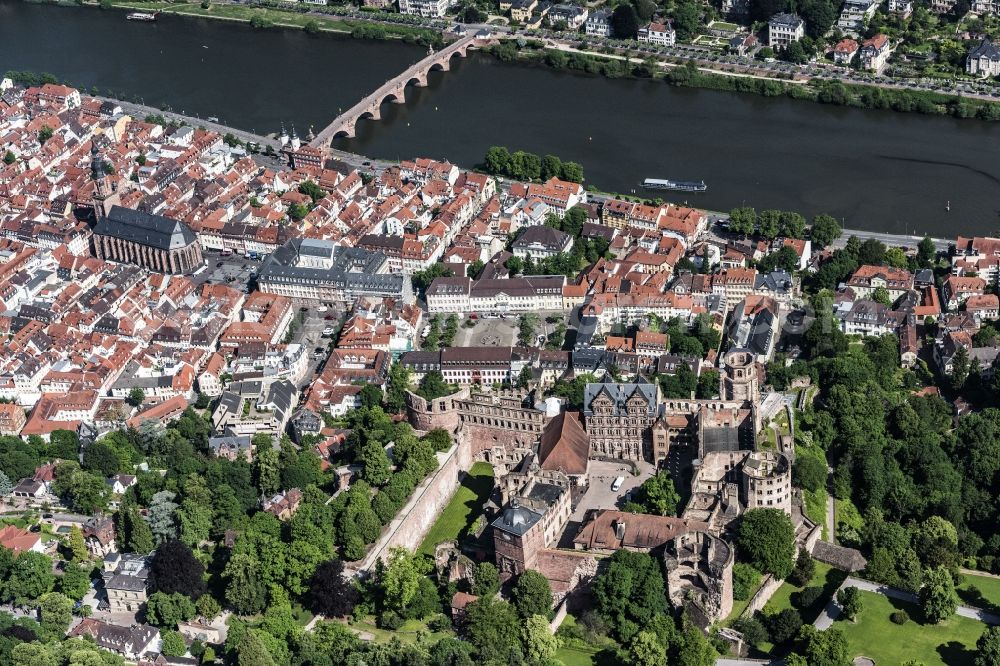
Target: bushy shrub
{"points": [[390, 620], [808, 597], [899, 617]]}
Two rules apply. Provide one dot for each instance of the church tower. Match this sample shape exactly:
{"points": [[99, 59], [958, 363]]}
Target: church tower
{"points": [[105, 194]]}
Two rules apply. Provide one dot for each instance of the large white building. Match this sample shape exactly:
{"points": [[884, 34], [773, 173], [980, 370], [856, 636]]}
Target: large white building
{"points": [[525, 294], [427, 8], [783, 29], [660, 34]]}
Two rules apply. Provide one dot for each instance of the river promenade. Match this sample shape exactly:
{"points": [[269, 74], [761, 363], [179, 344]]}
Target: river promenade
{"points": [[373, 165]]}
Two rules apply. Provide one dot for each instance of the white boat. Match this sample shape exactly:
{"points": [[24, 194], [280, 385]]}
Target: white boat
{"points": [[141, 16]]}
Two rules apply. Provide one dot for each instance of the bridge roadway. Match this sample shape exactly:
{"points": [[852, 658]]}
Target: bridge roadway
{"points": [[394, 90]]}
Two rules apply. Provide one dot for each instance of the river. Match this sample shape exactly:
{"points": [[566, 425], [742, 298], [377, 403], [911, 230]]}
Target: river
{"points": [[880, 171]]}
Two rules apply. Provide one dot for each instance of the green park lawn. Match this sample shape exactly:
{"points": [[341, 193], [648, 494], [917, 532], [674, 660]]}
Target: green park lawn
{"points": [[577, 655], [981, 592], [951, 643], [826, 577], [463, 509], [409, 632]]}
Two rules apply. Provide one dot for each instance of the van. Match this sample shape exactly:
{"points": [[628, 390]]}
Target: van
{"points": [[617, 483], [322, 308]]}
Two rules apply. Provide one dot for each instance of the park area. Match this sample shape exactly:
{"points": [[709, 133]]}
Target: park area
{"points": [[980, 592], [874, 635], [465, 507]]}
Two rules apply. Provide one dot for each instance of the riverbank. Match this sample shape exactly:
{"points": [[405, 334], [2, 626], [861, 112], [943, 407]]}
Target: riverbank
{"points": [[688, 74], [310, 19]]}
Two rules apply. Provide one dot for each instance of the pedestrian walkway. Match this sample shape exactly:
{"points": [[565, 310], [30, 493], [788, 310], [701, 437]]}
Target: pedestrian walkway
{"points": [[832, 610]]}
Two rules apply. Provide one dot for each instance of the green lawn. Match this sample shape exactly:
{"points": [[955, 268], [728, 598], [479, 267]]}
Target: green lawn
{"points": [[463, 509], [577, 655], [951, 643], [826, 577], [407, 633], [981, 592]]}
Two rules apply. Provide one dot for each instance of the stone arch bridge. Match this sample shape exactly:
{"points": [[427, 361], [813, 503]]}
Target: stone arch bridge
{"points": [[394, 90]]}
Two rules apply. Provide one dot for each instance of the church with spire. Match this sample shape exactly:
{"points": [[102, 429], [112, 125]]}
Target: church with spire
{"points": [[130, 236]]}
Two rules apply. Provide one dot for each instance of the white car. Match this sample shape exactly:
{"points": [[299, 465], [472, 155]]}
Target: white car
{"points": [[617, 483]]}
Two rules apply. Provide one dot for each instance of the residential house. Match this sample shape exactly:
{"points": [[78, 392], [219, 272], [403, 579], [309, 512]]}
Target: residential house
{"points": [[844, 51], [742, 45], [983, 59], [983, 306], [753, 327], [131, 642], [125, 581], [425, 8], [867, 279], [573, 16], [599, 23], [783, 29], [20, 540], [875, 53], [541, 242], [520, 10], [957, 289], [659, 34], [979, 255]]}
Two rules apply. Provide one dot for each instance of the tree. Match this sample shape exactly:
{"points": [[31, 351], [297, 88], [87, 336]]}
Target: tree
{"points": [[988, 647], [102, 459], [207, 607], [497, 160], [959, 368], [136, 397], [245, 590], [881, 295], [630, 593], [926, 252], [540, 645], [687, 18], [76, 544], [400, 579], [809, 472], [657, 494], [753, 630], [792, 225], [767, 540], [572, 172], [133, 530], [251, 651], [805, 569], [266, 467], [532, 595], [9, 158], [56, 611], [195, 521], [551, 167], [938, 597], [371, 395], [826, 648], [29, 578], [173, 644], [44, 134], [625, 22], [743, 220], [745, 580], [851, 603], [784, 625], [485, 580], [768, 223], [824, 231], [331, 593], [174, 568], [74, 582], [375, 465], [493, 627], [695, 649], [161, 516], [166, 610]]}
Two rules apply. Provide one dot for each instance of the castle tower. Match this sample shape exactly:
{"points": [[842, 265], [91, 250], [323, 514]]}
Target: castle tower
{"points": [[739, 378], [296, 143], [283, 137]]}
